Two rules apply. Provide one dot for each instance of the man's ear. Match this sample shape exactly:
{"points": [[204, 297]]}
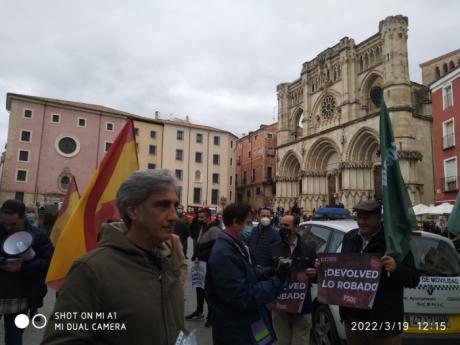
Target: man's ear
{"points": [[132, 211]]}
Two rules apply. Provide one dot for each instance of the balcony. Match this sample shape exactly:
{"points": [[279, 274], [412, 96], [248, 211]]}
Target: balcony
{"points": [[449, 184], [271, 152], [448, 141]]}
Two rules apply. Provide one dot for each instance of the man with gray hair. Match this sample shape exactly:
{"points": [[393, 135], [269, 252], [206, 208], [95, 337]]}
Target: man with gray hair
{"points": [[127, 290]]}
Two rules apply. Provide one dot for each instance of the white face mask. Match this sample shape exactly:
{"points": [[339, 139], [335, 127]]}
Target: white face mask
{"points": [[265, 221]]}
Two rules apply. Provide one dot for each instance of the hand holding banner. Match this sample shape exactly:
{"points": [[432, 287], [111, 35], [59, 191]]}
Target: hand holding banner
{"points": [[293, 295], [349, 279]]}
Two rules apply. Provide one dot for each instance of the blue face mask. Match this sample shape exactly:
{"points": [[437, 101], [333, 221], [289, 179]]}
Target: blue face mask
{"points": [[246, 232]]}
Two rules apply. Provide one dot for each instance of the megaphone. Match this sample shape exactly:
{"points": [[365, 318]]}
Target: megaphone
{"points": [[20, 244]]}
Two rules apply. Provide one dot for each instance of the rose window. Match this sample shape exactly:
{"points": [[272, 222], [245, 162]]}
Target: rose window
{"points": [[328, 107]]}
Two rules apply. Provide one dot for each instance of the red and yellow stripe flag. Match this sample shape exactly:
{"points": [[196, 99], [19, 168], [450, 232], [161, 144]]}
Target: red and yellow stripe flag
{"points": [[68, 206], [97, 204]]}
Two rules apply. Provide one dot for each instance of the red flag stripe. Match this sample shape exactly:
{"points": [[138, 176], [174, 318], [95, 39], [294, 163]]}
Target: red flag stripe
{"points": [[105, 172]]}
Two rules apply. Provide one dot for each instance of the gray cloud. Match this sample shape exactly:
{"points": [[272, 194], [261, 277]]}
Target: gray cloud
{"points": [[217, 61]]}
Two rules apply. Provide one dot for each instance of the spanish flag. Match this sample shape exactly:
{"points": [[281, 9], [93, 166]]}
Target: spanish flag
{"points": [[67, 208], [97, 205]]}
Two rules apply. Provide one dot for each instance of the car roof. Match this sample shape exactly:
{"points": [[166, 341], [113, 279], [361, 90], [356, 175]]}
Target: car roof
{"points": [[344, 225], [347, 225]]}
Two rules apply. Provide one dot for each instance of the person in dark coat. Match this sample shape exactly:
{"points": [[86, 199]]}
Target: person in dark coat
{"points": [[388, 304], [22, 283], [181, 229], [236, 291], [261, 239], [292, 329], [209, 232]]}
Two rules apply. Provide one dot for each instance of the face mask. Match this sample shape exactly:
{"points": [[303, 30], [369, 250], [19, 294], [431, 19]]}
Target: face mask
{"points": [[265, 221], [285, 233], [246, 232], [31, 217]]}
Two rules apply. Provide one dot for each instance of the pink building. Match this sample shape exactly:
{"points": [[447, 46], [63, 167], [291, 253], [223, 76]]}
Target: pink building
{"points": [[50, 140]]}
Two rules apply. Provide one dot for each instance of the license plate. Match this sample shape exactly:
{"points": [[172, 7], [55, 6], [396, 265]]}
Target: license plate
{"points": [[430, 320]]}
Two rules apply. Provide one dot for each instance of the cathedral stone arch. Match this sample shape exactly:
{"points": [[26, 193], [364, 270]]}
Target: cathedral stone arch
{"points": [[296, 122], [371, 91], [363, 146], [290, 165], [362, 163], [324, 155]]}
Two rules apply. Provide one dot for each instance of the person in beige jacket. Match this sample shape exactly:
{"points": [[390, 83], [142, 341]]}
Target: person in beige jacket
{"points": [[128, 290]]}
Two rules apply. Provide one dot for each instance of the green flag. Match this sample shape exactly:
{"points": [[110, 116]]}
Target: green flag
{"points": [[398, 215], [453, 225]]}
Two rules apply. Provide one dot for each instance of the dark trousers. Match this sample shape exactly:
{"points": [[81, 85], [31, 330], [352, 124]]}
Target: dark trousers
{"points": [[13, 335], [200, 297]]}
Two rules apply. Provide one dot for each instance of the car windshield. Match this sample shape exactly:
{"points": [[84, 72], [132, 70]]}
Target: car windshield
{"points": [[434, 257]]}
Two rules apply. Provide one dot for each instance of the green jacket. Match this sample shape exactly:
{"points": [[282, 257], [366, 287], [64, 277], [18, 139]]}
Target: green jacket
{"points": [[128, 296]]}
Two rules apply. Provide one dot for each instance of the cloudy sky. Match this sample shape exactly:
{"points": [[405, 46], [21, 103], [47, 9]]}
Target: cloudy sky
{"points": [[217, 61]]}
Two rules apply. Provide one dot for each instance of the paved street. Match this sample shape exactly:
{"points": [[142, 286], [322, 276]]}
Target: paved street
{"points": [[33, 336]]}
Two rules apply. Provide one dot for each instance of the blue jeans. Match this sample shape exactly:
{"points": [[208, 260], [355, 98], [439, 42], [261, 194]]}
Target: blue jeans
{"points": [[13, 335]]}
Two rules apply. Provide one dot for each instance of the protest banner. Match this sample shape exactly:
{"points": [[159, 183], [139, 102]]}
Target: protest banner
{"points": [[293, 295], [198, 274], [348, 279]]}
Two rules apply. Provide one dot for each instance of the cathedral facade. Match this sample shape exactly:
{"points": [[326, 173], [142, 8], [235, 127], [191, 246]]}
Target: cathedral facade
{"points": [[328, 123]]}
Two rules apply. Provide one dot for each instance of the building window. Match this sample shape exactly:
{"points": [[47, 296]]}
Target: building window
{"points": [[180, 135], [55, 118], [231, 144], [179, 192], [26, 136], [216, 159], [450, 175], [153, 134], [231, 161], [21, 175], [216, 140], [152, 149], [136, 131], [214, 196], [199, 138], [269, 135], [107, 146], [198, 157], [23, 156], [249, 154], [197, 176], [230, 195], [81, 122], [109, 126], [64, 182], [269, 173], [253, 176], [448, 136], [244, 177], [258, 190], [447, 96], [179, 154], [19, 196], [215, 178], [197, 195], [231, 180], [151, 166], [179, 174], [67, 146], [28, 113]]}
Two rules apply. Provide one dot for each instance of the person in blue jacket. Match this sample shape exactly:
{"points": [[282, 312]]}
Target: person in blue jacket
{"points": [[237, 292]]}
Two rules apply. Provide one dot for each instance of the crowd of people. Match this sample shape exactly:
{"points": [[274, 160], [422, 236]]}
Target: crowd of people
{"points": [[140, 265]]}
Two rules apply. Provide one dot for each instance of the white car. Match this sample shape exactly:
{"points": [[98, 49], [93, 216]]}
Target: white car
{"points": [[432, 309]]}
